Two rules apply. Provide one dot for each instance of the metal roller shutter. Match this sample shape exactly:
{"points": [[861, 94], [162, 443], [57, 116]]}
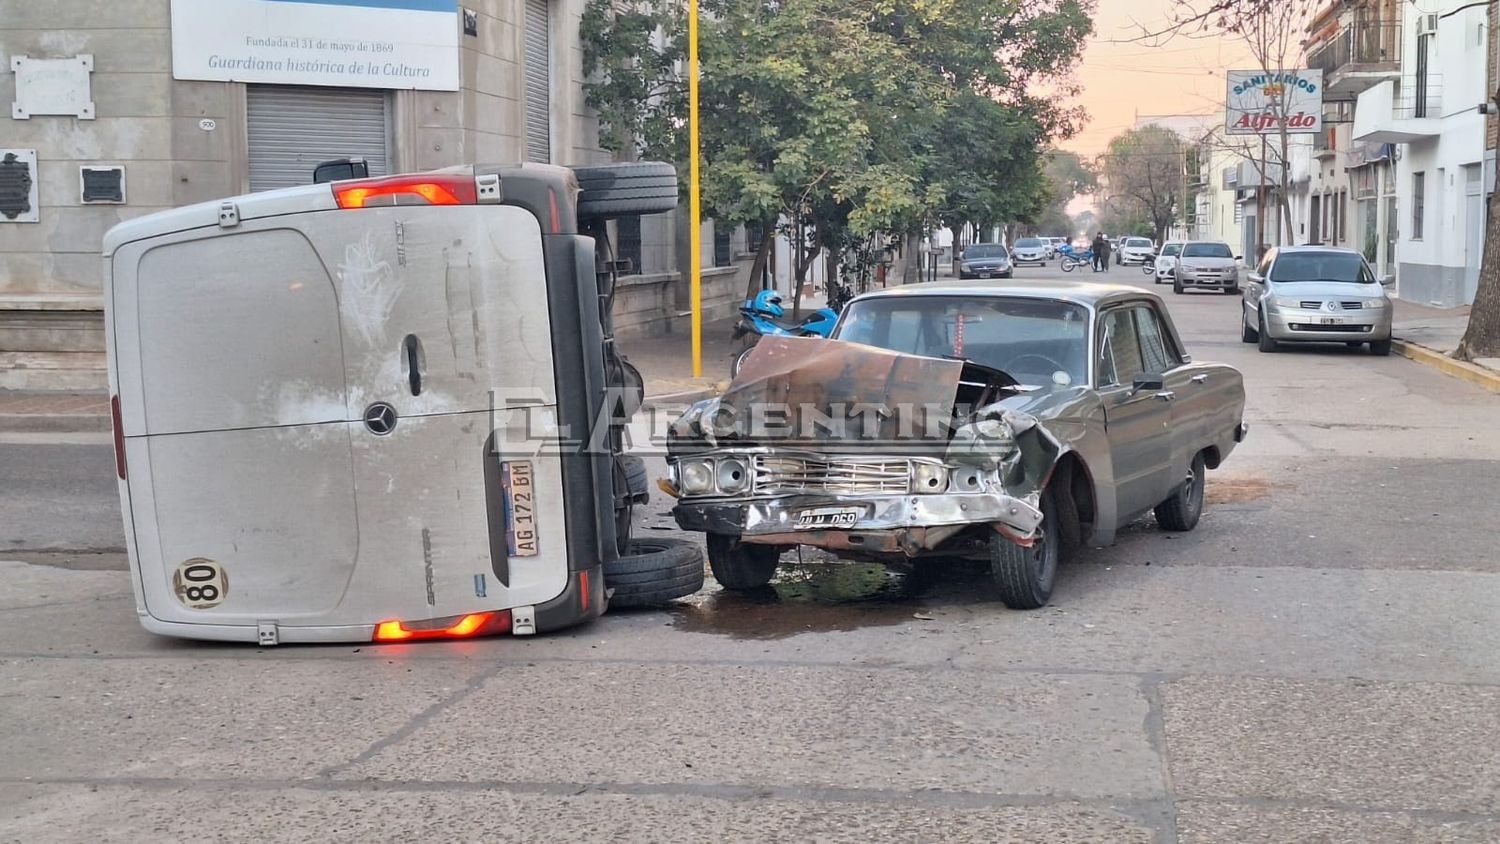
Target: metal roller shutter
{"points": [[538, 83], [293, 130]]}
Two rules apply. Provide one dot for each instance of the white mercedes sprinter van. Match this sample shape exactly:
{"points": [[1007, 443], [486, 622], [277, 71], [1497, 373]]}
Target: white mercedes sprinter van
{"points": [[326, 405]]}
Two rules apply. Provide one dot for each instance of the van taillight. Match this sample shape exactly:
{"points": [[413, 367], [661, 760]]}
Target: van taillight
{"points": [[114, 413], [425, 189], [457, 627]]}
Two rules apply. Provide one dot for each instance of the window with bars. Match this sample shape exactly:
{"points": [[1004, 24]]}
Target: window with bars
{"points": [[723, 254], [1418, 204], [628, 243]]}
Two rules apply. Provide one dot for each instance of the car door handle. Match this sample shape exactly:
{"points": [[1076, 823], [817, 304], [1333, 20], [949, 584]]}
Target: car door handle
{"points": [[1200, 379], [1166, 396]]}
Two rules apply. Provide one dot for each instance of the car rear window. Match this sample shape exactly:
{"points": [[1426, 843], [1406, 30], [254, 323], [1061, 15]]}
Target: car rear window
{"points": [[1206, 250]]}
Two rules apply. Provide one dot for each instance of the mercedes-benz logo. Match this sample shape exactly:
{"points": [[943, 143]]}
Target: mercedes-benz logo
{"points": [[380, 418]]}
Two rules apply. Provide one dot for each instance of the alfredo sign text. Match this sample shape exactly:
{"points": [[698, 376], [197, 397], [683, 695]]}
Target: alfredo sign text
{"points": [[1260, 103]]}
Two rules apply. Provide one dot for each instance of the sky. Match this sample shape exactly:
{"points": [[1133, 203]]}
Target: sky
{"points": [[1123, 80]]}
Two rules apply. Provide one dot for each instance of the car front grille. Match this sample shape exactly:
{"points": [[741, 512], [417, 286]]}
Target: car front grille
{"points": [[783, 474], [1353, 305]]}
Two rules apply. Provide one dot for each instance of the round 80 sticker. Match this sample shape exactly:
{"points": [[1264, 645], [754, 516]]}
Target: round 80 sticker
{"points": [[200, 584]]}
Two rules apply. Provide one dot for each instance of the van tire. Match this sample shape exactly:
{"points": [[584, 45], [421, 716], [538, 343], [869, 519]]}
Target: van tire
{"points": [[608, 191], [636, 478], [655, 572]]}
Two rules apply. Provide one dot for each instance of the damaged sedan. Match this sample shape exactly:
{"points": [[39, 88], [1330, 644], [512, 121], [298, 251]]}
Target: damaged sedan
{"points": [[1009, 423]]}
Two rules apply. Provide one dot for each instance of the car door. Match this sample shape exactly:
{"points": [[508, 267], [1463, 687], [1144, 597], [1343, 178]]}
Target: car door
{"points": [[1255, 290], [1185, 392], [1137, 422]]}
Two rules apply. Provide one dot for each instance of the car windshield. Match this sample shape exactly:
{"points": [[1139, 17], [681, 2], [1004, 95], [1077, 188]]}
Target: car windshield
{"points": [[1321, 266], [984, 250], [1028, 243], [1172, 250], [1138, 242], [1034, 340], [1206, 250]]}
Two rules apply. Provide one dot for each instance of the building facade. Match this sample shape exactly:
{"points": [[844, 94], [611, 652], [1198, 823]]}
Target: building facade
{"points": [[126, 107], [1430, 115]]}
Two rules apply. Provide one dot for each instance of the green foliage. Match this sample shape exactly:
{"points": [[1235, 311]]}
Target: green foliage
{"points": [[846, 117]]}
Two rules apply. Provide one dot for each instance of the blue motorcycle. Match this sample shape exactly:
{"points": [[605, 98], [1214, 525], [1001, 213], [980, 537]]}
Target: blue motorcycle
{"points": [[764, 315], [1074, 258]]}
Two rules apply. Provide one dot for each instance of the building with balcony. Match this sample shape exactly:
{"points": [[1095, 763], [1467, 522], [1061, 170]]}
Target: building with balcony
{"points": [[1427, 121]]}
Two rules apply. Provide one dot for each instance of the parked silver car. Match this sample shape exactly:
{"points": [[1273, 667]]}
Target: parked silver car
{"points": [[1031, 250], [1207, 264], [1320, 294], [1004, 422]]}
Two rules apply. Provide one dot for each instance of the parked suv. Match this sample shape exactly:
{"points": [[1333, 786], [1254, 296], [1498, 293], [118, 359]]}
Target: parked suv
{"points": [[1208, 264], [1317, 294]]}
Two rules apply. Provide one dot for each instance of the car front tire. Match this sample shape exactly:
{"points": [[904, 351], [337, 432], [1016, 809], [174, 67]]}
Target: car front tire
{"points": [[740, 567], [1024, 577], [1177, 286], [1380, 348], [1267, 343]]}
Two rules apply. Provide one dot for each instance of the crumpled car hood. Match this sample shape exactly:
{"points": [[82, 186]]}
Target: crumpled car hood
{"points": [[831, 395]]}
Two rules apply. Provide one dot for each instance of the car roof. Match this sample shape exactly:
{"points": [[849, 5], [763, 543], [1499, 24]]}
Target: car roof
{"points": [[1343, 250], [1090, 294]]}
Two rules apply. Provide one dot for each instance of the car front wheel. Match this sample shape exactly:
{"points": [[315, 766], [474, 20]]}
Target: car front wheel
{"points": [[740, 567], [1024, 576], [1381, 348], [1267, 342]]}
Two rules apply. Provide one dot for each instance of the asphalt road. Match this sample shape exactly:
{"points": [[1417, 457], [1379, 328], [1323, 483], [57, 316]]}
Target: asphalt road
{"points": [[1320, 660]]}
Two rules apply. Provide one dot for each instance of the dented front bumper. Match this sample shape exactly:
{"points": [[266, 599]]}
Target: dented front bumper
{"points": [[907, 524]]}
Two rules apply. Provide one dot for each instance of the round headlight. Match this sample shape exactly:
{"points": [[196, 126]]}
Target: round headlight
{"points": [[931, 478], [734, 476], [697, 477]]}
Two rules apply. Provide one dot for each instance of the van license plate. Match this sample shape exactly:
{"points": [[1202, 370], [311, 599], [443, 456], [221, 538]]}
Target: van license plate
{"points": [[834, 518], [520, 508]]}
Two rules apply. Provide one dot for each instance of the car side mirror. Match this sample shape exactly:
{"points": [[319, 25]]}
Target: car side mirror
{"points": [[1239, 257], [1254, 278], [1387, 281], [1149, 381]]}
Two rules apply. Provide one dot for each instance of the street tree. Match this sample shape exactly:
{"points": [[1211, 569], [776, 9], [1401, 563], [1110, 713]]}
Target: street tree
{"points": [[1143, 172], [840, 120]]}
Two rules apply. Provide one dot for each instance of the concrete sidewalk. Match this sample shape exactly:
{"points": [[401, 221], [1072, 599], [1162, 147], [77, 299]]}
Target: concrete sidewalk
{"points": [[27, 412], [1430, 335]]}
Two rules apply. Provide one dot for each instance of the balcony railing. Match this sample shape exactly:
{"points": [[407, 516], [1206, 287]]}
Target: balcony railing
{"points": [[1364, 47]]}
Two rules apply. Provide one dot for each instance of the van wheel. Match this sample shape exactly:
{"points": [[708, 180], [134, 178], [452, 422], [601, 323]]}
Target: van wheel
{"points": [[1024, 576], [1181, 512], [740, 567], [656, 571], [626, 189]]}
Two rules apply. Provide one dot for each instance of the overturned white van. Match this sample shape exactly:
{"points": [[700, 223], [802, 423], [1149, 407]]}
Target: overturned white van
{"points": [[326, 403]]}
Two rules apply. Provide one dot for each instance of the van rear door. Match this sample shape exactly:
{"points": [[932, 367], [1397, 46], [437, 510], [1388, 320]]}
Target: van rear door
{"points": [[232, 387]]}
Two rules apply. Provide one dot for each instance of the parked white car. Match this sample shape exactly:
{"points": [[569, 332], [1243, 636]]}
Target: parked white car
{"points": [[1166, 261], [1134, 250]]}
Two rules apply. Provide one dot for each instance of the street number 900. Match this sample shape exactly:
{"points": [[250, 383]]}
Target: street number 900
{"points": [[200, 584]]}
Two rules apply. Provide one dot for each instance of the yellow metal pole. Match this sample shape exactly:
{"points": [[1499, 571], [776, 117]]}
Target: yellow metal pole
{"points": [[695, 197]]}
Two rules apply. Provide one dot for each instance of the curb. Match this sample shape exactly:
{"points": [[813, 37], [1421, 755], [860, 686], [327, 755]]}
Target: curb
{"points": [[1479, 376], [53, 423], [683, 398]]}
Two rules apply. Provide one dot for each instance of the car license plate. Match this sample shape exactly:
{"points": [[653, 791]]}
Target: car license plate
{"points": [[520, 508], [984, 275], [1331, 320], [826, 518]]}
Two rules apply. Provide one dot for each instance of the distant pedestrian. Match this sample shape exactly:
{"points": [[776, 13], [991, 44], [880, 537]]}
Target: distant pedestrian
{"points": [[1101, 253]]}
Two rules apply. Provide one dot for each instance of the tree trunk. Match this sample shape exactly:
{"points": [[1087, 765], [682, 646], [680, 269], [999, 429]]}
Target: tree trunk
{"points": [[911, 257], [1482, 338], [758, 266]]}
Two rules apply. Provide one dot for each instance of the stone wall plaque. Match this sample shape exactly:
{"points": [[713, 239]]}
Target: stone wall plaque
{"points": [[18, 186], [102, 185], [53, 87]]}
